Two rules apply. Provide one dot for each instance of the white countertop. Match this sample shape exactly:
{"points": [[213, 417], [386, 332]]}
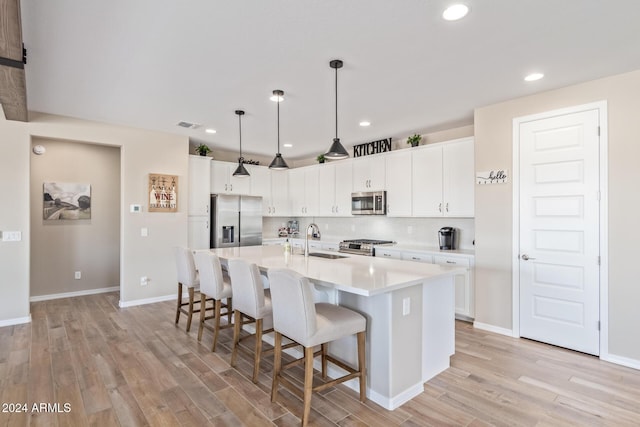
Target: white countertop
{"points": [[355, 274]]}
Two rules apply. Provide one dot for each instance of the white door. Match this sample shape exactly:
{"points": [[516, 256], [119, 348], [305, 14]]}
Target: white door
{"points": [[559, 230]]}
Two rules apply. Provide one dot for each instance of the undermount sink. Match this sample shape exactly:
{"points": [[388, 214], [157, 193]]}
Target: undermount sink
{"points": [[328, 256]]}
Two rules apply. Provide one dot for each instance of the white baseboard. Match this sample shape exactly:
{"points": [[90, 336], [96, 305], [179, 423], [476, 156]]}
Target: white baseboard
{"points": [[124, 304], [491, 328], [73, 294], [620, 360], [16, 321]]}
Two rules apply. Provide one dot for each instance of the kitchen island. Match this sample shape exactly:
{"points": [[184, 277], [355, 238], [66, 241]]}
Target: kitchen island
{"points": [[409, 309]]}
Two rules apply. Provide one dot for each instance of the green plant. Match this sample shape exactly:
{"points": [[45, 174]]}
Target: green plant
{"points": [[414, 139], [202, 149], [321, 158]]}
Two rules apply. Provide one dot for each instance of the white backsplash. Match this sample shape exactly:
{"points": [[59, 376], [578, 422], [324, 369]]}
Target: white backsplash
{"points": [[409, 231]]}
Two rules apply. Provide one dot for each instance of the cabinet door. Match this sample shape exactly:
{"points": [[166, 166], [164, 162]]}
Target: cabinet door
{"points": [[280, 193], [360, 175], [398, 183], [327, 190], [459, 178], [296, 191], [311, 196], [417, 257], [199, 193], [261, 186], [343, 188], [369, 173], [198, 232], [463, 296], [387, 253], [220, 177], [426, 183], [239, 184], [377, 172]]}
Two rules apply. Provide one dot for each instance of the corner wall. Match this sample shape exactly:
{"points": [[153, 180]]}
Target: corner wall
{"points": [[493, 204]]}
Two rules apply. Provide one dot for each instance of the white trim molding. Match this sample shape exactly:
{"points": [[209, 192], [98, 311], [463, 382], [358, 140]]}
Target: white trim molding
{"points": [[16, 321], [74, 294], [623, 361], [143, 301], [494, 329]]}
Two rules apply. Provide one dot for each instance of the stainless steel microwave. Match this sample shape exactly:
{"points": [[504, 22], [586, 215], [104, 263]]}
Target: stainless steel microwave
{"points": [[369, 203]]}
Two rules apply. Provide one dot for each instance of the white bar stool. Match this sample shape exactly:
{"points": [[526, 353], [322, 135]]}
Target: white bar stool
{"points": [[297, 317], [213, 287], [187, 276]]}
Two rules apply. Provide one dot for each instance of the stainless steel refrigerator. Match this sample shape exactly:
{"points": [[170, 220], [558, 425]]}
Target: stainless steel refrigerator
{"points": [[235, 220]]}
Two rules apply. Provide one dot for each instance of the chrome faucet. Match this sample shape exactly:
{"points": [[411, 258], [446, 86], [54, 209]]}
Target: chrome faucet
{"points": [[314, 231]]}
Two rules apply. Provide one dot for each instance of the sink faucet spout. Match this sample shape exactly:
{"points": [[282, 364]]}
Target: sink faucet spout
{"points": [[315, 231]]}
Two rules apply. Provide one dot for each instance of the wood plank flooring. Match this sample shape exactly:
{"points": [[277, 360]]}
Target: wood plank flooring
{"points": [[134, 367]]}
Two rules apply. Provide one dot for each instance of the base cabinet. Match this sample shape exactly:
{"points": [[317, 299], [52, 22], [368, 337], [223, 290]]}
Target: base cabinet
{"points": [[463, 284]]}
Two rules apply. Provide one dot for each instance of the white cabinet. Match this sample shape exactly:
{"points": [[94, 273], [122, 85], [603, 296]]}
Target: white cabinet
{"points": [[303, 191], [398, 183], [368, 173], [199, 193], [443, 179], [417, 257], [463, 284], [199, 199], [388, 253], [272, 187], [280, 205], [334, 189], [223, 181]]}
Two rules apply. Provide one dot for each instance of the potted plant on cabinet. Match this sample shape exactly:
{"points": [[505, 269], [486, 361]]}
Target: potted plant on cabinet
{"points": [[414, 140], [202, 149], [321, 158]]}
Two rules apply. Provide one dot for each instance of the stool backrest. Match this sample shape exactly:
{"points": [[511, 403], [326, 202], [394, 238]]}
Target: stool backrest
{"points": [[211, 279], [248, 290], [185, 266], [294, 311]]}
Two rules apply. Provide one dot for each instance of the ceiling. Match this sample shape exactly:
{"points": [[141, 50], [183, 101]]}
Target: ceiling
{"points": [[153, 63]]}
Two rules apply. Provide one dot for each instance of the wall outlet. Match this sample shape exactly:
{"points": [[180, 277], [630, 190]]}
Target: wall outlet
{"points": [[144, 232], [409, 229], [144, 281], [406, 306], [77, 275]]}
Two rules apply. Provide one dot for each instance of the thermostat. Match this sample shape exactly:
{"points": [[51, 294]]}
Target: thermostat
{"points": [[135, 208]]}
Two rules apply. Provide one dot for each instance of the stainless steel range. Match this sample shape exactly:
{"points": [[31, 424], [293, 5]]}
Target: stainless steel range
{"points": [[363, 246]]}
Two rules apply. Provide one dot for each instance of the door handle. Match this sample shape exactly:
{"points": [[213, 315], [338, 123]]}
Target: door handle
{"points": [[526, 257]]}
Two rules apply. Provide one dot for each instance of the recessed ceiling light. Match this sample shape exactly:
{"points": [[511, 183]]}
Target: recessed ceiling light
{"points": [[455, 12], [287, 145], [365, 123], [210, 130], [533, 77], [276, 98]]}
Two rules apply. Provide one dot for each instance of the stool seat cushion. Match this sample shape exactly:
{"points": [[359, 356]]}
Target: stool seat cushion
{"points": [[334, 322]]}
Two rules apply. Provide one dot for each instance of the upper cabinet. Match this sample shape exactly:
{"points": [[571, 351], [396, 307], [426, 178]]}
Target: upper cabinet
{"points": [[334, 188], [398, 182], [443, 179], [369, 173], [303, 191], [199, 191], [223, 181], [273, 187]]}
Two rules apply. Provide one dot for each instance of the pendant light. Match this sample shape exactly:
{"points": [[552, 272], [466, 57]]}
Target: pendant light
{"points": [[336, 151], [278, 162], [240, 170]]}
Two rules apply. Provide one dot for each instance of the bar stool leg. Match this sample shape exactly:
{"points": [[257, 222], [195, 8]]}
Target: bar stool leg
{"points": [[203, 302], [308, 383], [361, 366], [277, 364], [216, 320], [179, 302], [258, 350], [190, 315], [236, 336], [323, 347]]}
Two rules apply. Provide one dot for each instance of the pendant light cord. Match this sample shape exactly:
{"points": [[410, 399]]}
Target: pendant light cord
{"points": [[278, 110], [240, 129], [336, 102]]}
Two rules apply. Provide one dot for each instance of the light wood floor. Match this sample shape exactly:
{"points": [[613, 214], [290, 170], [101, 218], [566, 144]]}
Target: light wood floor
{"points": [[133, 367]]}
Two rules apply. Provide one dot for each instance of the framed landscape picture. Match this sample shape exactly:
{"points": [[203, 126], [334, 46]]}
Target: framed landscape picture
{"points": [[163, 193], [66, 201]]}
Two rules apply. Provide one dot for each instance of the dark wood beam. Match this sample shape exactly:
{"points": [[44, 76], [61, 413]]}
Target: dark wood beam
{"points": [[13, 86]]}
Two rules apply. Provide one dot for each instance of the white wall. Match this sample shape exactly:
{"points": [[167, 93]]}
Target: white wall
{"points": [[493, 150], [142, 152]]}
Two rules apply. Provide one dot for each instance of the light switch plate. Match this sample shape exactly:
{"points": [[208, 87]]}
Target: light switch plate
{"points": [[11, 236]]}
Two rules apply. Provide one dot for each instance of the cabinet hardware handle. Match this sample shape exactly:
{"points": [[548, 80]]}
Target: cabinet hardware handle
{"points": [[415, 258], [231, 187], [225, 187], [268, 209], [274, 209], [451, 262], [440, 207], [447, 207], [386, 254]]}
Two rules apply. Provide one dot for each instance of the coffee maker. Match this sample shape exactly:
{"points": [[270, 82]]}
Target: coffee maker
{"points": [[447, 238]]}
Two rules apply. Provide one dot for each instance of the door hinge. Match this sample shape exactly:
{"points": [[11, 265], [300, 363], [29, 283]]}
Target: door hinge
{"points": [[598, 130], [598, 259], [598, 325]]}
